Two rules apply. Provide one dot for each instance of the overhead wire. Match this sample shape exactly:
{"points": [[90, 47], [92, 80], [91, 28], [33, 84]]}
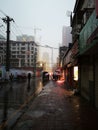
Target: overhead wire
{"points": [[2, 30], [2, 33], [15, 29], [11, 30], [3, 13], [3, 23]]}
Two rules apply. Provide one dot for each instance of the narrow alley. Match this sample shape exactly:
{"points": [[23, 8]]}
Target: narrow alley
{"points": [[55, 108]]}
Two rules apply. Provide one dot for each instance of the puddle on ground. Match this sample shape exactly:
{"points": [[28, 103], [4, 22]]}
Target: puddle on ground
{"points": [[45, 92], [36, 114], [42, 94]]}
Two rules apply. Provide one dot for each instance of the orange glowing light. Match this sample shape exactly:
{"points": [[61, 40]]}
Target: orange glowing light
{"points": [[60, 81]]}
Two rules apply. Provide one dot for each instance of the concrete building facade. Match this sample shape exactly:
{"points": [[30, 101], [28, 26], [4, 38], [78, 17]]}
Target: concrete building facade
{"points": [[84, 25], [22, 54]]}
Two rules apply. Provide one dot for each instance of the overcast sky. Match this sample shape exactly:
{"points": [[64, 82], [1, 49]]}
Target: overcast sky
{"points": [[47, 15]]}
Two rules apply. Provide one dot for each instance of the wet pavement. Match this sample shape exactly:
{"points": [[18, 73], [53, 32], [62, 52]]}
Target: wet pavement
{"points": [[55, 108], [14, 97]]}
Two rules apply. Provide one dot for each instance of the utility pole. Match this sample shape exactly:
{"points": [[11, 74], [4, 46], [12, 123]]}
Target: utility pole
{"points": [[7, 20]]}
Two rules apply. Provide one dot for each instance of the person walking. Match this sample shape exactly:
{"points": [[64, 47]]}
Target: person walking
{"points": [[29, 77], [11, 76]]}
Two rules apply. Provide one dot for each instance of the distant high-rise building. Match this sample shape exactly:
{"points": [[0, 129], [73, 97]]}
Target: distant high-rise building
{"points": [[66, 36], [25, 38]]}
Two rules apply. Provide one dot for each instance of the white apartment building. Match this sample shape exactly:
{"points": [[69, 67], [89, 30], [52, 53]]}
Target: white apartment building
{"points": [[66, 36], [22, 54]]}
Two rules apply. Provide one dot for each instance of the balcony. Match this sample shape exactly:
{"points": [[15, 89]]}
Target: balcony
{"points": [[89, 33]]}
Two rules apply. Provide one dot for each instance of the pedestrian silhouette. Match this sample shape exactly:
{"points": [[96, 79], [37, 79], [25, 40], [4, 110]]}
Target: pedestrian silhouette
{"points": [[11, 76], [29, 77]]}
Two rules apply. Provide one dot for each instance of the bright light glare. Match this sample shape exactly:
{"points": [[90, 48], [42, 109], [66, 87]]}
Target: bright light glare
{"points": [[76, 73], [60, 81]]}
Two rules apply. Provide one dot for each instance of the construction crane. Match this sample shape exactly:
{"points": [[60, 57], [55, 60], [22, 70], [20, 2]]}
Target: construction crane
{"points": [[35, 31]]}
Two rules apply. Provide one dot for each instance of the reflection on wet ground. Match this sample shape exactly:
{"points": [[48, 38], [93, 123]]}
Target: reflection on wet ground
{"points": [[55, 108], [14, 96]]}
